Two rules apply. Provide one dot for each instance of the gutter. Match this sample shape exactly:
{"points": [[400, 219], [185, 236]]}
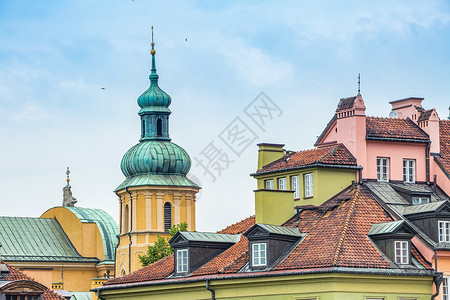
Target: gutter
{"points": [[396, 140], [131, 229], [317, 164], [213, 292]]}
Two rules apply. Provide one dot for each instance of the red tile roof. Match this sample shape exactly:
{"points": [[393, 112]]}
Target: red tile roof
{"points": [[391, 128], [336, 154], [336, 236], [14, 274], [444, 143]]}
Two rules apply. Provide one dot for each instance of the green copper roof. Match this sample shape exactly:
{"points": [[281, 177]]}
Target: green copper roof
{"points": [[210, 237], [383, 228], [155, 157], [106, 224], [35, 239], [157, 179]]}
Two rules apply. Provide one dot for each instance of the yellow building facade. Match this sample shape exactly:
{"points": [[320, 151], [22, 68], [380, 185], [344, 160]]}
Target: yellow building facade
{"points": [[156, 193]]}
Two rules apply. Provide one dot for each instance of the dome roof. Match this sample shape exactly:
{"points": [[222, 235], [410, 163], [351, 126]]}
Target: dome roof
{"points": [[155, 157], [154, 98]]}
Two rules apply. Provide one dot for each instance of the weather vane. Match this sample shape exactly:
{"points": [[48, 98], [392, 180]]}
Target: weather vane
{"points": [[68, 173]]}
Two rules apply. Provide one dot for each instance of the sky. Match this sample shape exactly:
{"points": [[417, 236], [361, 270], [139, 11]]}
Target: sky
{"points": [[71, 72]]}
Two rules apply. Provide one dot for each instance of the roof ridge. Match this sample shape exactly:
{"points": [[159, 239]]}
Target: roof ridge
{"points": [[345, 226]]}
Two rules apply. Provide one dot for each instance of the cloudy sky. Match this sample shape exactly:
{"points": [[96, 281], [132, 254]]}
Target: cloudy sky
{"points": [[71, 71]]}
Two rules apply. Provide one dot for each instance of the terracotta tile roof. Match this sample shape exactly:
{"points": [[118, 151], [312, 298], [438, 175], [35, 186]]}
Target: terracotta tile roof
{"points": [[346, 103], [336, 237], [390, 128], [336, 154], [424, 115], [444, 142], [15, 274], [158, 270], [239, 227]]}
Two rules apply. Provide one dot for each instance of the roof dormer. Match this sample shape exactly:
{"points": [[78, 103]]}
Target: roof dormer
{"points": [[193, 249], [269, 243]]}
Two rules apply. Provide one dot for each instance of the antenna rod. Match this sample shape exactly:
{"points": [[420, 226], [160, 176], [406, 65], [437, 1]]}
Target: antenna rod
{"points": [[359, 83]]}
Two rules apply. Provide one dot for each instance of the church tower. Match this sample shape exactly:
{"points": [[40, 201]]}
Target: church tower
{"points": [[156, 193]]}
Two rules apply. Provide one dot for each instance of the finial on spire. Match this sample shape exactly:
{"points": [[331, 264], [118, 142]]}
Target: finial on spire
{"points": [[153, 44], [68, 173], [153, 76], [359, 83]]}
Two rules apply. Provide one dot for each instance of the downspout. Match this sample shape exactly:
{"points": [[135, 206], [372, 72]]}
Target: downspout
{"points": [[131, 229], [438, 277], [98, 295], [213, 292], [427, 162], [118, 238]]}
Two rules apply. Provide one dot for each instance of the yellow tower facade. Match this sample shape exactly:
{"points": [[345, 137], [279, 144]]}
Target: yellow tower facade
{"points": [[156, 193]]}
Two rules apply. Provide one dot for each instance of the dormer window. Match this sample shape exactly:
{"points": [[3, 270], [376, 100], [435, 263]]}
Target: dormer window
{"points": [[269, 184], [401, 252], [444, 231], [182, 261], [259, 254], [420, 200]]}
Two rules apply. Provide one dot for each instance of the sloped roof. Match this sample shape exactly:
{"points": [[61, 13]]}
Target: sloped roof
{"points": [[422, 208], [443, 161], [388, 227], [281, 230], [336, 236], [325, 156], [106, 224], [346, 103], [392, 128], [424, 115], [209, 237], [35, 239], [14, 274]]}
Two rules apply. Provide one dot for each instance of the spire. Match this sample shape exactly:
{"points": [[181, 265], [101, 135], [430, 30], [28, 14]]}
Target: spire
{"points": [[359, 84], [153, 76], [68, 199]]}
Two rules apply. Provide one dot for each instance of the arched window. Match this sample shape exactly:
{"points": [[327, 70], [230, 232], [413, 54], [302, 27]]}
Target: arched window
{"points": [[159, 127], [126, 219], [143, 128], [167, 216], [123, 272]]}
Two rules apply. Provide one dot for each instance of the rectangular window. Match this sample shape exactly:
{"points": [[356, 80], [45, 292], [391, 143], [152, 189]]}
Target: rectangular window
{"points": [[295, 186], [401, 252], [409, 170], [182, 261], [420, 200], [382, 169], [444, 231], [259, 254], [282, 184], [269, 184], [445, 293], [308, 178]]}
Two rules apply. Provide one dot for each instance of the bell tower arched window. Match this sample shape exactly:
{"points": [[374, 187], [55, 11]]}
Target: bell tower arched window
{"points": [[167, 216]]}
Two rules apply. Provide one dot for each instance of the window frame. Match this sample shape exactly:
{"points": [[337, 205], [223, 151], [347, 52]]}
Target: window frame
{"points": [[420, 200], [409, 169], [181, 254], [284, 180], [308, 182], [266, 182], [445, 288], [380, 165], [295, 186], [445, 237], [404, 256], [259, 257]]}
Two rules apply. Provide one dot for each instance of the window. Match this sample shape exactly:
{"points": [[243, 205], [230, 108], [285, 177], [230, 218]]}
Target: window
{"points": [[182, 261], [308, 184], [22, 297], [295, 186], [420, 200], [445, 293], [282, 183], [401, 252], [409, 173], [444, 231], [382, 169], [269, 184], [167, 216], [259, 254], [126, 219]]}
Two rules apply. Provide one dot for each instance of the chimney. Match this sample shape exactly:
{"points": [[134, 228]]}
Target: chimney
{"points": [[407, 108], [268, 153], [273, 207]]}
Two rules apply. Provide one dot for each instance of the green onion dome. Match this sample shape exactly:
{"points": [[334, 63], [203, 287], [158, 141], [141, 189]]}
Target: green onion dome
{"points": [[155, 157]]}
